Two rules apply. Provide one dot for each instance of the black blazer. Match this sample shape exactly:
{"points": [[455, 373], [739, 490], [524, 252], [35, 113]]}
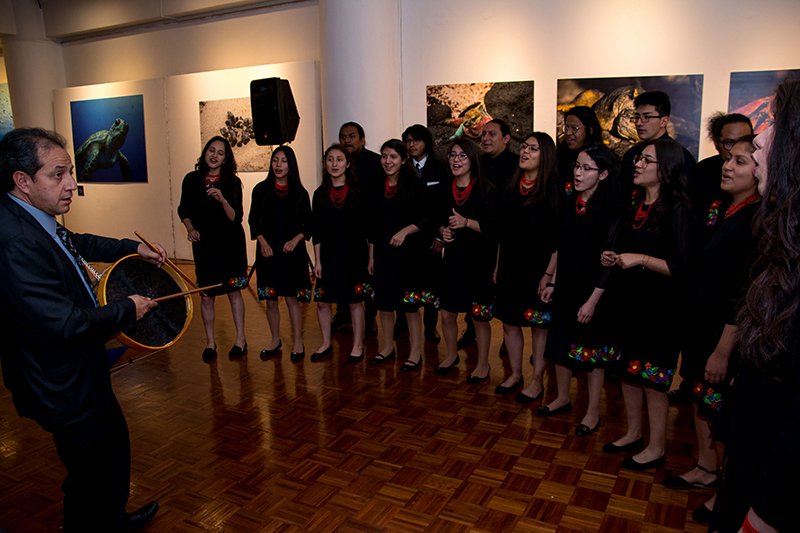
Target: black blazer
{"points": [[53, 337]]}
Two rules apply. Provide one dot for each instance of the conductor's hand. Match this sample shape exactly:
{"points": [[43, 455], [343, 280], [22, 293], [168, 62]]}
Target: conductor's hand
{"points": [[158, 256], [143, 305]]}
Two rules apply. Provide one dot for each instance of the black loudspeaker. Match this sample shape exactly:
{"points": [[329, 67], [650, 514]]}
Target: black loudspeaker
{"points": [[275, 117]]}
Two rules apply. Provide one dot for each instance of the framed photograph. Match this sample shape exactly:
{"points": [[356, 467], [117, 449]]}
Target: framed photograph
{"points": [[232, 119], [750, 94]]}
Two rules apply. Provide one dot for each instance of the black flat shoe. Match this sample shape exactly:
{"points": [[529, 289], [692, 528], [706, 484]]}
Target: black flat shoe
{"points": [[610, 447], [380, 358], [444, 370], [237, 351], [632, 464], [703, 515], [353, 359], [677, 482], [324, 354], [266, 353], [524, 398], [583, 430], [209, 354], [546, 411], [410, 366], [500, 389], [296, 357], [474, 380], [141, 516]]}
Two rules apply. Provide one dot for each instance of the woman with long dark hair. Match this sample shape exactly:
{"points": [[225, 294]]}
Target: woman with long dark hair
{"points": [[580, 129], [280, 220], [525, 262], [762, 465], [211, 210], [653, 253], [579, 339], [467, 225], [396, 253], [340, 249]]}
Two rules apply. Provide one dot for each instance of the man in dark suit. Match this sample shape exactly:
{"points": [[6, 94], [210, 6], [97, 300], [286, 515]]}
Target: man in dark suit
{"points": [[435, 174], [53, 352]]}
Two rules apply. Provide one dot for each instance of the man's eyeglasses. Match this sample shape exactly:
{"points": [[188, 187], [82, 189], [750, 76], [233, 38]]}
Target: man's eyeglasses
{"points": [[644, 118]]}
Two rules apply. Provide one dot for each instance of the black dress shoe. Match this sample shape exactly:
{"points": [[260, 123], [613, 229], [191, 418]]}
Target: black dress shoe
{"points": [[610, 447], [546, 411], [444, 370], [474, 380], [266, 353], [500, 389], [141, 516], [524, 398], [632, 464], [380, 358], [324, 354], [410, 366], [209, 354], [703, 515], [353, 359], [583, 430], [237, 351], [296, 357], [432, 336], [465, 341]]}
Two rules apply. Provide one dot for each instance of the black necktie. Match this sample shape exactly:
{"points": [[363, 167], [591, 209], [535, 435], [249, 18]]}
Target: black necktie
{"points": [[66, 237]]}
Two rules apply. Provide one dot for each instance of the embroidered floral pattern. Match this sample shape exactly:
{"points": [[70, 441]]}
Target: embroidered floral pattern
{"points": [[634, 198], [536, 317], [304, 295], [238, 282], [420, 297], [485, 312], [708, 395], [364, 289], [648, 372], [319, 293], [267, 293], [586, 354], [713, 213], [569, 188]]}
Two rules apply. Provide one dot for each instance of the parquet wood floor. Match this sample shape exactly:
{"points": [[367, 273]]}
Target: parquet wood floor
{"points": [[248, 445]]}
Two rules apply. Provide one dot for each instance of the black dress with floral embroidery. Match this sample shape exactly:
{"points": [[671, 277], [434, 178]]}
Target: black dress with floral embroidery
{"points": [[470, 258], [583, 234], [340, 230], [398, 269], [651, 309], [279, 218], [721, 281], [526, 232]]}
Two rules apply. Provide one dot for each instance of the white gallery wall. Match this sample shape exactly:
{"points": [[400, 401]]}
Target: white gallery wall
{"points": [[462, 41]]}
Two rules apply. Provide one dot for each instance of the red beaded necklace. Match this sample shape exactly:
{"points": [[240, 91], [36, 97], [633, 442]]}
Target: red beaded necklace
{"points": [[641, 215], [580, 205], [736, 207], [525, 187], [460, 195], [390, 190], [338, 195], [281, 190], [211, 180]]}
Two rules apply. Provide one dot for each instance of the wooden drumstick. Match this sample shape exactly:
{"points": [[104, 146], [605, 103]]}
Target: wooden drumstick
{"points": [[167, 261], [186, 293]]}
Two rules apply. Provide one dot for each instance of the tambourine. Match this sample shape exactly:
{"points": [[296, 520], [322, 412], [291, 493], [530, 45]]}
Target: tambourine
{"points": [[163, 325]]}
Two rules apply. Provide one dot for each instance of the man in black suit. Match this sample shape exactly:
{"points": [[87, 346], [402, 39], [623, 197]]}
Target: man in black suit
{"points": [[435, 174], [53, 352]]}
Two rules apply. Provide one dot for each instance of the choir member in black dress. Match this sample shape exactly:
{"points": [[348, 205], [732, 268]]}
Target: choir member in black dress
{"points": [[762, 465], [340, 249], [722, 274], [435, 176], [581, 129], [211, 210], [653, 255], [579, 338], [467, 227], [396, 254], [280, 220], [525, 262]]}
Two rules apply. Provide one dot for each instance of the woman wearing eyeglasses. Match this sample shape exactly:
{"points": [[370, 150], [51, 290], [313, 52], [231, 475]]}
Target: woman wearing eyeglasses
{"points": [[579, 339], [652, 258], [526, 262], [580, 129], [467, 227]]}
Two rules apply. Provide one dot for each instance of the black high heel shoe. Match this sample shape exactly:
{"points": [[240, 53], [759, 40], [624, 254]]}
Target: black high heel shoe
{"points": [[444, 370]]}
